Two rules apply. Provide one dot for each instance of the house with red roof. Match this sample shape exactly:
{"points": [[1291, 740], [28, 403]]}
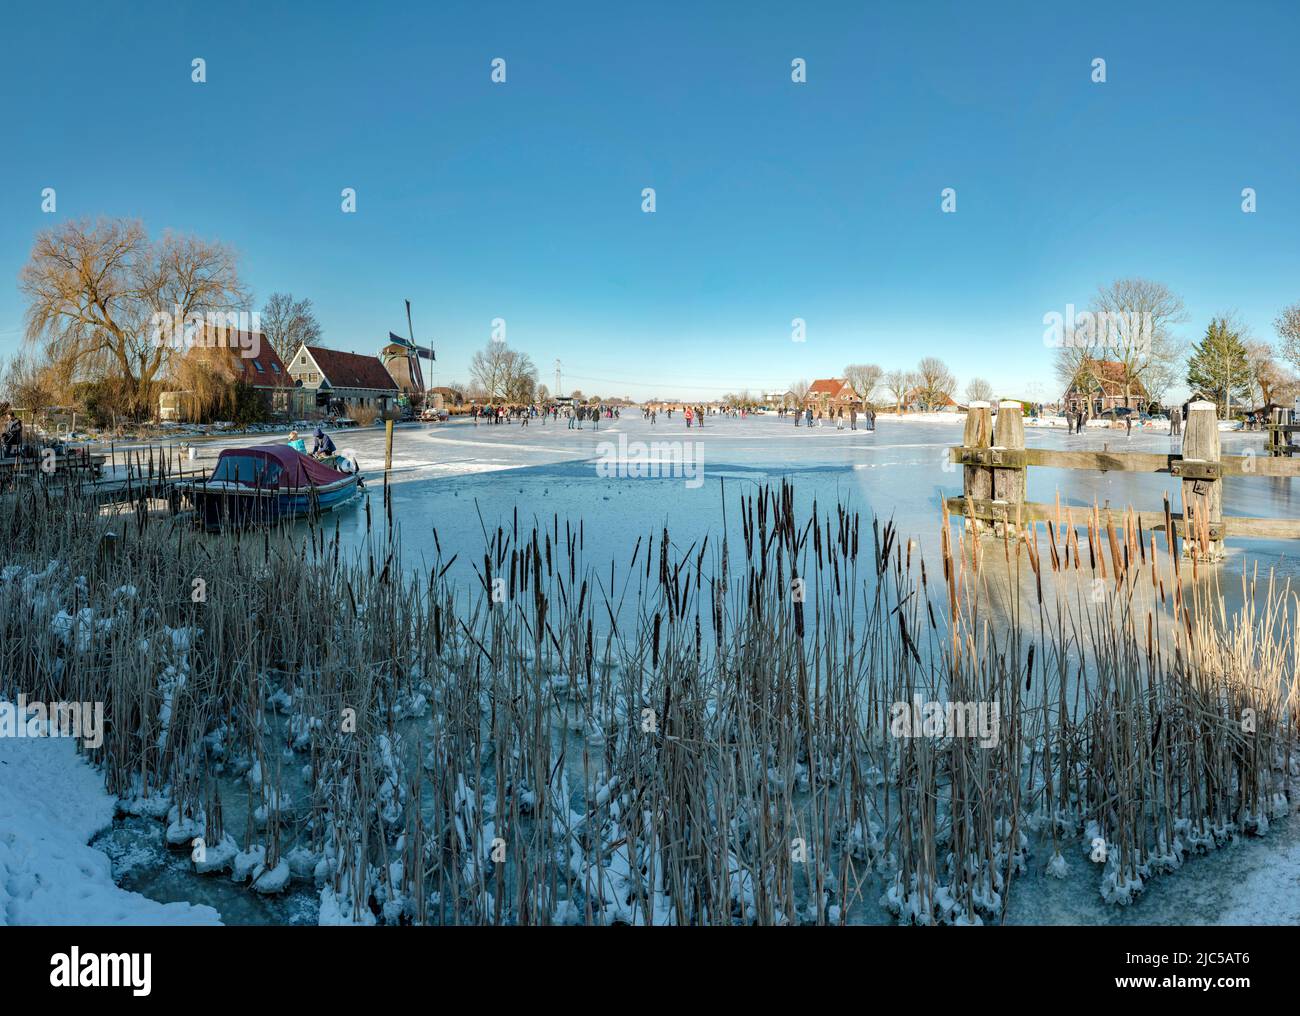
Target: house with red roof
{"points": [[1100, 385], [340, 379], [832, 393], [228, 356]]}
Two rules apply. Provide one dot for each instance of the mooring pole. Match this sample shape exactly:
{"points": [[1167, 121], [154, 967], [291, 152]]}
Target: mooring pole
{"points": [[977, 480], [1009, 480], [388, 445], [1201, 472], [1279, 438]]}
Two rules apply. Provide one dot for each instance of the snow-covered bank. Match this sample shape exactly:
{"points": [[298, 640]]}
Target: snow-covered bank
{"points": [[51, 803]]}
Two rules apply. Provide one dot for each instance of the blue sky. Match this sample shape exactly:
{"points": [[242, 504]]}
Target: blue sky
{"points": [[775, 200]]}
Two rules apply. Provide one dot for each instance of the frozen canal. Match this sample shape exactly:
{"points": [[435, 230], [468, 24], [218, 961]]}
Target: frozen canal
{"points": [[462, 478]]}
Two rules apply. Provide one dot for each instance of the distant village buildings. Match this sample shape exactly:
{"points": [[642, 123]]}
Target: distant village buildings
{"points": [[918, 400], [450, 397]]}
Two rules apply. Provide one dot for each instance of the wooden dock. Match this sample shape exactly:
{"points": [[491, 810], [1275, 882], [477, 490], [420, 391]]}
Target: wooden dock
{"points": [[136, 480]]}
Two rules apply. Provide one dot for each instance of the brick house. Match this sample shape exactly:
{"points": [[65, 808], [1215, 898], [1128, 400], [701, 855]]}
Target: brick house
{"points": [[831, 393], [237, 357], [1101, 385]]}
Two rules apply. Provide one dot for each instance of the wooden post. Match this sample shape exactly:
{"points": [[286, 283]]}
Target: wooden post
{"points": [[1273, 442], [388, 445], [977, 481], [107, 549], [1009, 481], [1202, 483]]}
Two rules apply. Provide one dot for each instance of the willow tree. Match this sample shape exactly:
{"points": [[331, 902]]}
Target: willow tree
{"points": [[94, 291]]}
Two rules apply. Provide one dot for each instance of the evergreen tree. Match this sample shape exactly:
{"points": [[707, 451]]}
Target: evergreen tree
{"points": [[1219, 365]]}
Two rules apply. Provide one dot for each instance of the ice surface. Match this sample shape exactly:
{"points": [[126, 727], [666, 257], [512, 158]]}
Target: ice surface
{"points": [[463, 478]]}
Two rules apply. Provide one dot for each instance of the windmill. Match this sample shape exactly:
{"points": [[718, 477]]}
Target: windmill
{"points": [[401, 358]]}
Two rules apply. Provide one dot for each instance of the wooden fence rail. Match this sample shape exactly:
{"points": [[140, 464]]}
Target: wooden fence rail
{"points": [[995, 460]]}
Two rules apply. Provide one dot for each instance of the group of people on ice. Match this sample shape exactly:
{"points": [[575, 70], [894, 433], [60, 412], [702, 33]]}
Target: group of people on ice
{"points": [[574, 414], [818, 418]]}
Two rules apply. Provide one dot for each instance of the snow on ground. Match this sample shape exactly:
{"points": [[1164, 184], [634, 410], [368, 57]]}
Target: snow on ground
{"points": [[51, 803]]}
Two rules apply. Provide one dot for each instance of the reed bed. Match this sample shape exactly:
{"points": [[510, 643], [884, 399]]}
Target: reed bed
{"points": [[705, 733]]}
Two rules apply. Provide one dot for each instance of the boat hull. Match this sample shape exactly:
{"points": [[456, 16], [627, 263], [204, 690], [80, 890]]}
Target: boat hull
{"points": [[231, 506]]}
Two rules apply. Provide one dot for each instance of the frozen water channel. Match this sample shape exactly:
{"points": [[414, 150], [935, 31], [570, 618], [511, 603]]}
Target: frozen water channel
{"points": [[464, 480]]}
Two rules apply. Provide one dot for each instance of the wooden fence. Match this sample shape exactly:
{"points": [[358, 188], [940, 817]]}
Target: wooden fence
{"points": [[995, 461], [1280, 428]]}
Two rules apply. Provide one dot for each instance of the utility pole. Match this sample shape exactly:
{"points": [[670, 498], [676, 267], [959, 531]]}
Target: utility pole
{"points": [[558, 393]]}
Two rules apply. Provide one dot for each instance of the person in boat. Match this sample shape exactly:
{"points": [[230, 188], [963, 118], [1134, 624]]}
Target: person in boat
{"points": [[297, 443], [322, 446], [13, 435]]}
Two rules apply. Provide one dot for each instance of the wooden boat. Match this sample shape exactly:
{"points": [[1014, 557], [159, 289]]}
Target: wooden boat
{"points": [[266, 484]]}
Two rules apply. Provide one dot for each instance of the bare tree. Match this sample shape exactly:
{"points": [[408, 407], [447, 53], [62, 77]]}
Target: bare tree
{"points": [[979, 390], [503, 374], [1165, 371], [1288, 330], [1133, 325], [288, 323], [94, 291], [935, 382], [1269, 380], [1075, 365], [899, 383], [522, 385], [865, 379], [28, 384], [800, 391]]}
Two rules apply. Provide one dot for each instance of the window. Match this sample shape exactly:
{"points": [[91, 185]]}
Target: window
{"points": [[275, 368], [248, 470], [258, 365]]}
